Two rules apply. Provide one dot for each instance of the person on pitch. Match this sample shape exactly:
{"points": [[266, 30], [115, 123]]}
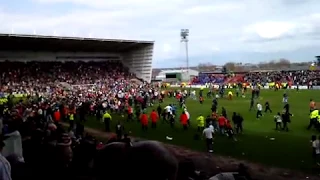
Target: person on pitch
{"points": [[230, 95]]}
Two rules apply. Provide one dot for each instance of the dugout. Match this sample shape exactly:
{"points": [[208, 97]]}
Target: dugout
{"points": [[134, 54]]}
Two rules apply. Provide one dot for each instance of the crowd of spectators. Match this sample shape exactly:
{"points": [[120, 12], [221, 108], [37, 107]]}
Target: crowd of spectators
{"points": [[204, 78], [38, 95], [33, 140], [35, 144], [293, 77], [24, 77], [263, 77]]}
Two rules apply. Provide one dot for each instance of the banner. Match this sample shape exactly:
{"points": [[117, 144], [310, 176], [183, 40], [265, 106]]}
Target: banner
{"points": [[265, 87]]}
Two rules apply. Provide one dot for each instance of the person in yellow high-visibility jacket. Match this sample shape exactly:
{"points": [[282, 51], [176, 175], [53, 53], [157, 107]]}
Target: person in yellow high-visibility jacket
{"points": [[71, 120], [313, 118], [318, 122], [107, 118], [230, 95], [200, 120]]}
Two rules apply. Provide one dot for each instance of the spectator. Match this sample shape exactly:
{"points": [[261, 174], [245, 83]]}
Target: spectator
{"points": [[5, 168]]}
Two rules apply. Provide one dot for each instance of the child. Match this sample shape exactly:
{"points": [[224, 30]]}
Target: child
{"points": [[278, 121]]}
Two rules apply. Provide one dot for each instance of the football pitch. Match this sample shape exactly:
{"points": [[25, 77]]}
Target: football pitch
{"points": [[288, 149]]}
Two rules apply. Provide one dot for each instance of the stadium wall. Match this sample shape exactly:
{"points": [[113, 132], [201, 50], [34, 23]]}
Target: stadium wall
{"points": [[139, 62]]}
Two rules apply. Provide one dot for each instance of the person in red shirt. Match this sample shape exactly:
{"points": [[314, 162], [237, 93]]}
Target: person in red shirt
{"points": [[228, 125], [57, 116], [154, 118], [215, 117], [178, 96], [184, 120], [222, 122], [229, 130], [130, 114], [201, 100], [144, 121]]}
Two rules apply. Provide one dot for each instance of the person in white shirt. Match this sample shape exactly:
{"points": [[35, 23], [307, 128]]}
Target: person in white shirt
{"points": [[156, 93], [211, 127], [5, 167], [259, 110], [208, 134], [316, 149], [193, 95], [278, 121], [168, 110]]}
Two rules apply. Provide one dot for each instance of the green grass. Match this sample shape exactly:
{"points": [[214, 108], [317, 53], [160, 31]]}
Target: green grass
{"points": [[289, 149]]}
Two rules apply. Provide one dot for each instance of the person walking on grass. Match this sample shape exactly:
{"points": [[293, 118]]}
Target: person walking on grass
{"points": [[313, 118], [208, 133], [107, 119], [230, 95], [267, 107], [144, 121], [237, 121], [154, 119], [222, 122], [278, 121], [259, 110], [184, 120], [119, 130], [229, 130], [251, 104], [286, 118], [200, 120]]}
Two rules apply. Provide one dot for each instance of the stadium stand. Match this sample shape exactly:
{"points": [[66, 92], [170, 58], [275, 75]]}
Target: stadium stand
{"points": [[135, 55], [301, 77], [49, 75]]}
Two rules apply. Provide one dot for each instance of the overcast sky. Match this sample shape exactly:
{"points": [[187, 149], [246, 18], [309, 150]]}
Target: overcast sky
{"points": [[220, 30]]}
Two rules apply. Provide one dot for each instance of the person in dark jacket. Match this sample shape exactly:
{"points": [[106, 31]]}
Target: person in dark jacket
{"points": [[209, 120], [251, 104], [237, 119], [267, 107], [224, 112], [119, 130], [286, 115]]}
